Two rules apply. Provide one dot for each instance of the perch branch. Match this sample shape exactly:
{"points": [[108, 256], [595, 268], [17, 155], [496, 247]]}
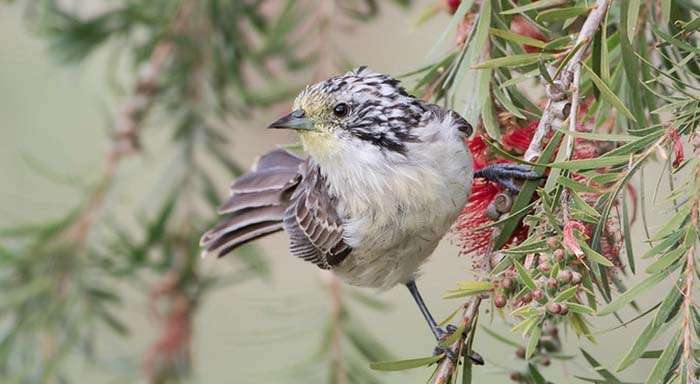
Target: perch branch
{"points": [[446, 367], [585, 36]]}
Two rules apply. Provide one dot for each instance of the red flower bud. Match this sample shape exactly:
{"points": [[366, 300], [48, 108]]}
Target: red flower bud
{"points": [[565, 276]]}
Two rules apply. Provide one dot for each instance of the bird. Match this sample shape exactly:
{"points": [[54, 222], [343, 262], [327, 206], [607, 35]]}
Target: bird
{"points": [[385, 176]]}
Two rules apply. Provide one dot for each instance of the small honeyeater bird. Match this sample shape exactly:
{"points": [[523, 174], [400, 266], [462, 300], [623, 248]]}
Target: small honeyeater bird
{"points": [[386, 176]]}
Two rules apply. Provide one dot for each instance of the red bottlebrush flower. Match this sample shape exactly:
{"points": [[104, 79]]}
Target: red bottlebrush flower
{"points": [[679, 157], [479, 150], [473, 239], [570, 240], [521, 26], [518, 140], [452, 5]]}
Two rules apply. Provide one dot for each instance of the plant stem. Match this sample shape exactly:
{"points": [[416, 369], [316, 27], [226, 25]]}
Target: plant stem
{"points": [[585, 36]]}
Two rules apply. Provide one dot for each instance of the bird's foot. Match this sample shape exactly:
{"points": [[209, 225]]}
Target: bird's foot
{"points": [[449, 330], [506, 175], [440, 335], [474, 356]]}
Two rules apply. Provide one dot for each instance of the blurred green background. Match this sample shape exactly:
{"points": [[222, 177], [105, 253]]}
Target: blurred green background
{"points": [[53, 120]]}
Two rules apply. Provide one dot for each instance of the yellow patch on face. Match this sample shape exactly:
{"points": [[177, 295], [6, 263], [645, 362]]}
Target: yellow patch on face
{"points": [[322, 141]]}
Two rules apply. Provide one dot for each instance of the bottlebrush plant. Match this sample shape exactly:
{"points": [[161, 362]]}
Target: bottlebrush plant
{"points": [[591, 94]]}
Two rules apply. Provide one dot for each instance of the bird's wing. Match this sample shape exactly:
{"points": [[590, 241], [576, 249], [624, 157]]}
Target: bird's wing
{"points": [[315, 229], [257, 203]]}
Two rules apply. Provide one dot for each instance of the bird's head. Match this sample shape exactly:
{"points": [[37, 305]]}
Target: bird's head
{"points": [[357, 110]]}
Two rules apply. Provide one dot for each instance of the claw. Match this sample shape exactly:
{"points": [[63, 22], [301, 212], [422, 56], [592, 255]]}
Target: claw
{"points": [[447, 351], [443, 333], [506, 174], [474, 356]]}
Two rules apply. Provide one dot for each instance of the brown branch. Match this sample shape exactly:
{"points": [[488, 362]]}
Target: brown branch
{"points": [[446, 367], [128, 125], [336, 365], [573, 121], [566, 77], [687, 325]]}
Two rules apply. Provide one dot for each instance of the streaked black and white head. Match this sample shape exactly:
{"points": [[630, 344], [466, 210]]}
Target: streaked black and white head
{"points": [[360, 108]]}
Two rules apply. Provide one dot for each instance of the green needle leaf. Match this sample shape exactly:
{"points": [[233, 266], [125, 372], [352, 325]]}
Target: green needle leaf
{"points": [[595, 256], [524, 275], [664, 363], [402, 365], [516, 38], [532, 343], [632, 293], [532, 6], [513, 60], [608, 94]]}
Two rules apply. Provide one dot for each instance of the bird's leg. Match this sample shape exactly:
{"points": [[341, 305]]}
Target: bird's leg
{"points": [[506, 175], [439, 333]]}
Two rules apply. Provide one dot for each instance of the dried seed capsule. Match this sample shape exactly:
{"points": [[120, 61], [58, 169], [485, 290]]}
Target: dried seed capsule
{"points": [[516, 376], [552, 242], [559, 255], [565, 276], [564, 309], [503, 202], [576, 278], [520, 352], [554, 308], [527, 298], [538, 295]]}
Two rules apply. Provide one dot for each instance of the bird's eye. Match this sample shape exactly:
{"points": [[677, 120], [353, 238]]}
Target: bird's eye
{"points": [[341, 110]]}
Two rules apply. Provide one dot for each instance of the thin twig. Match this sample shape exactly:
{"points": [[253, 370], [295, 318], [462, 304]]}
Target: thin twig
{"points": [[585, 36], [687, 325], [446, 367], [570, 140], [128, 125]]}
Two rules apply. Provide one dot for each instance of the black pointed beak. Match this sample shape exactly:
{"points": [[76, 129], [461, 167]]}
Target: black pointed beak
{"points": [[296, 120]]}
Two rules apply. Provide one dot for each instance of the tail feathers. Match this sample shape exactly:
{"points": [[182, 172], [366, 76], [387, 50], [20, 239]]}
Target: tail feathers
{"points": [[220, 246], [257, 203]]}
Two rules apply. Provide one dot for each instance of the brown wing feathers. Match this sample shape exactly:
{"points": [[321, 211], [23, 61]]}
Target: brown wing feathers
{"points": [[281, 192], [257, 203], [314, 227]]}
